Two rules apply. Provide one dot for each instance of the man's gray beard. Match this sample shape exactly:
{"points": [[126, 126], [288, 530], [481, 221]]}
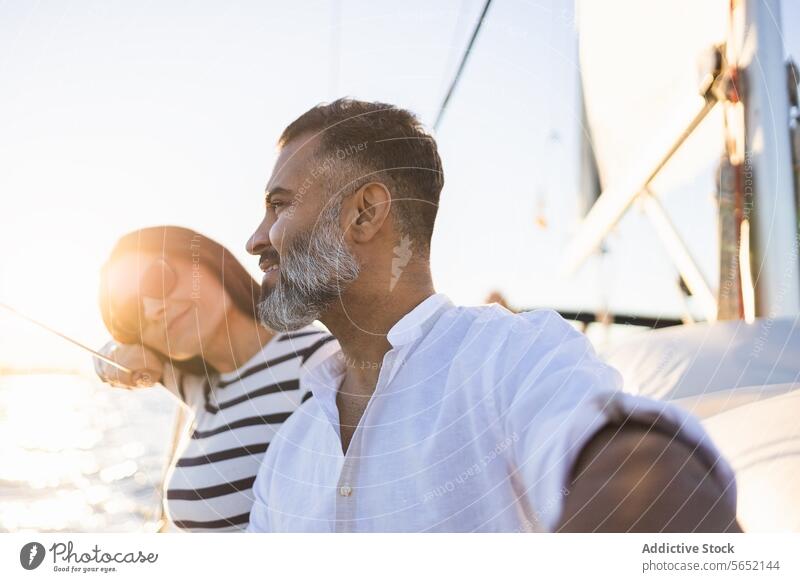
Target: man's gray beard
{"points": [[315, 269]]}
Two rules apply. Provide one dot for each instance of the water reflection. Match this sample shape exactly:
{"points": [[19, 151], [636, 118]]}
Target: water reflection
{"points": [[76, 455]]}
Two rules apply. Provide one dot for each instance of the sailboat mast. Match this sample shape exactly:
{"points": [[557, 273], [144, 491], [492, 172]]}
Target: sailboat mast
{"points": [[768, 159]]}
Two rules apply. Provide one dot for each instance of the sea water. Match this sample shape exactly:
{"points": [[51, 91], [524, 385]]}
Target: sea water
{"points": [[77, 455]]}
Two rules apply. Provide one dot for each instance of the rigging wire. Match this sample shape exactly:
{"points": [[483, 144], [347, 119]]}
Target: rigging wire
{"points": [[98, 355], [461, 66]]}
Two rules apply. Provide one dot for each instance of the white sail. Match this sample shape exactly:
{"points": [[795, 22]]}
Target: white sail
{"points": [[641, 72], [639, 68]]}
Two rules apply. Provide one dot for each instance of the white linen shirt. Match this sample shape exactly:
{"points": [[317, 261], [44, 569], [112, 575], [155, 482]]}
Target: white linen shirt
{"points": [[477, 418]]}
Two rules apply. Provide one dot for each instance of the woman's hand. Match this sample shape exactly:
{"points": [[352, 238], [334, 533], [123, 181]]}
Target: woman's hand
{"points": [[146, 365]]}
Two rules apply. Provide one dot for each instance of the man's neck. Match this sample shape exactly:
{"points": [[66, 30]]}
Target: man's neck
{"points": [[360, 321]]}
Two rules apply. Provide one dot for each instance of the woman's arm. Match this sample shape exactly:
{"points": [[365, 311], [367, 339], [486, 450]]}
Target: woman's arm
{"points": [[145, 364], [148, 369]]}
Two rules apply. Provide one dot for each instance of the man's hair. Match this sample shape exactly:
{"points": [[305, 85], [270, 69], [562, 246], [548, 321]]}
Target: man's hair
{"points": [[362, 142]]}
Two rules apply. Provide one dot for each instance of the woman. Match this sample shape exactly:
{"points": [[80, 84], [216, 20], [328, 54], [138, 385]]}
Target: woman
{"points": [[183, 313]]}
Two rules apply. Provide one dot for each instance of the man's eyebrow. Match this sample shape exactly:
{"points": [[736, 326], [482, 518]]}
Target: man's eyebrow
{"points": [[275, 191]]}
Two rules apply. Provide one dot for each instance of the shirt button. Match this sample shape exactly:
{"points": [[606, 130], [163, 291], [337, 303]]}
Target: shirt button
{"points": [[345, 491]]}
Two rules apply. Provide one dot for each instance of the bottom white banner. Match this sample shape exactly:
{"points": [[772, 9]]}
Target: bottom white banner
{"points": [[226, 557]]}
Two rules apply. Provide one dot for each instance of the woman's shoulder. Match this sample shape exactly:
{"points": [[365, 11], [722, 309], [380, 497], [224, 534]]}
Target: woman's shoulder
{"points": [[281, 360], [187, 387], [307, 343], [302, 337]]}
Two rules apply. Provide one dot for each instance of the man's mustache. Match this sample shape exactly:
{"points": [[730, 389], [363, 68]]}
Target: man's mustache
{"points": [[270, 256]]}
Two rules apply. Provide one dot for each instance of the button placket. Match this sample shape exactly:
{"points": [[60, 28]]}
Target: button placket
{"points": [[345, 492], [345, 504]]}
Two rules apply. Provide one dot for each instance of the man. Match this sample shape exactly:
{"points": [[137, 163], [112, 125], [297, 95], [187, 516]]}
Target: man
{"points": [[435, 417]]}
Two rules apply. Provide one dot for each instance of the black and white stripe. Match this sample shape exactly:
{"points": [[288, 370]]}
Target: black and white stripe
{"points": [[236, 415]]}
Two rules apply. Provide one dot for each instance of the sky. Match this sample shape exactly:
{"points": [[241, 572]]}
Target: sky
{"points": [[117, 115]]}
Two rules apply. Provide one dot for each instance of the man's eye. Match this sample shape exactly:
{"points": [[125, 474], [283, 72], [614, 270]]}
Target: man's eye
{"points": [[275, 204]]}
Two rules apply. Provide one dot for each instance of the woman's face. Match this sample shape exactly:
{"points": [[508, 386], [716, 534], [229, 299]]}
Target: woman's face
{"points": [[174, 305]]}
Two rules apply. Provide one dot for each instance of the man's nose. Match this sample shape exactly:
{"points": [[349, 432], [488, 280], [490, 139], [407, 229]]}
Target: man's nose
{"points": [[259, 240]]}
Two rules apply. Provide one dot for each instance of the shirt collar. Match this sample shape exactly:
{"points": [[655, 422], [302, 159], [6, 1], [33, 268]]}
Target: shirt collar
{"points": [[406, 330], [412, 324], [324, 378]]}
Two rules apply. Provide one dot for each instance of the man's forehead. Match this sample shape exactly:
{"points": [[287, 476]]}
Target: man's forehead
{"points": [[295, 161]]}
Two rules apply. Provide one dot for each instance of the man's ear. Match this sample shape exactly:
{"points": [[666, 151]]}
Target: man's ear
{"points": [[369, 210]]}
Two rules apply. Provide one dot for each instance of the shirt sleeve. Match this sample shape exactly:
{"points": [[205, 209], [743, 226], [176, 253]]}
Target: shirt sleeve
{"points": [[259, 513], [563, 394]]}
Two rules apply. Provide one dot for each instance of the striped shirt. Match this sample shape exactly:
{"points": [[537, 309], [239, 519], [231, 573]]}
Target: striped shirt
{"points": [[236, 414]]}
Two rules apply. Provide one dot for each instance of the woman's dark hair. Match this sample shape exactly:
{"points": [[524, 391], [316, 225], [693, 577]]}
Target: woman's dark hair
{"points": [[176, 242]]}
